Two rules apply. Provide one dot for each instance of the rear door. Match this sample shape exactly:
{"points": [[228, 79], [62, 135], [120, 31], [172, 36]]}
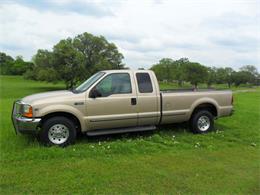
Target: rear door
{"points": [[148, 99], [117, 105]]}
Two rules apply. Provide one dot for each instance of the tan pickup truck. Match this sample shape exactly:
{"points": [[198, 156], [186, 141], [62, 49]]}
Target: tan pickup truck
{"points": [[117, 101]]}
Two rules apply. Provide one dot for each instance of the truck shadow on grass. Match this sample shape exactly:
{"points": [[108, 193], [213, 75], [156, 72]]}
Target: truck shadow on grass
{"points": [[221, 127], [164, 130]]}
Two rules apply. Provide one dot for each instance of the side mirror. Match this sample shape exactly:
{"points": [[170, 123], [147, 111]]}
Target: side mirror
{"points": [[94, 93]]}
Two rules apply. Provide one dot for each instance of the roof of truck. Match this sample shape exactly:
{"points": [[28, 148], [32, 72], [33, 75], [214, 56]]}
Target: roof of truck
{"points": [[125, 70]]}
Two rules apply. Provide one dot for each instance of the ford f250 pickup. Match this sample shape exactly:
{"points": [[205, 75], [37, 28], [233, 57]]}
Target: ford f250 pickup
{"points": [[117, 101]]}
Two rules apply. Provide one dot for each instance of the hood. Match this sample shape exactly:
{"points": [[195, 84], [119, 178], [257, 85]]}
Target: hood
{"points": [[47, 95]]}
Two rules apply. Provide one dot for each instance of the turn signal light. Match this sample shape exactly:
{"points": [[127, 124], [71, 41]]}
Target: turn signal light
{"points": [[27, 112]]}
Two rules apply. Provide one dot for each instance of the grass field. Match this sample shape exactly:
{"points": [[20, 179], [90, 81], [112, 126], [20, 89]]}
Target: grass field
{"points": [[169, 161]]}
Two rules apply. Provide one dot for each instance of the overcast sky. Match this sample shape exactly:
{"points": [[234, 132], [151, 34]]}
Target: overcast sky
{"points": [[212, 32]]}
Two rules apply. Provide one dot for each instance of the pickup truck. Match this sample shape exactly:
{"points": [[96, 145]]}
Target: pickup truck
{"points": [[117, 101]]}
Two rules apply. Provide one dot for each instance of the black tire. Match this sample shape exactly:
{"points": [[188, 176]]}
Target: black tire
{"points": [[196, 124], [60, 122]]}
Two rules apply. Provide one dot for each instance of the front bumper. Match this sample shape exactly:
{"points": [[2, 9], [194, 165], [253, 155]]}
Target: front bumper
{"points": [[23, 124]]}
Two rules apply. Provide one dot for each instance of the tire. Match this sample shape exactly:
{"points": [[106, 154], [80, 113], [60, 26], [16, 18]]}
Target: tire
{"points": [[59, 131], [202, 122]]}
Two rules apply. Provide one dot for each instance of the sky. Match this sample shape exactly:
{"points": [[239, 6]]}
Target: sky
{"points": [[213, 32]]}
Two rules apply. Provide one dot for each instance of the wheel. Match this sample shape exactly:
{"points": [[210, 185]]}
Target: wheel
{"points": [[202, 122], [59, 131]]}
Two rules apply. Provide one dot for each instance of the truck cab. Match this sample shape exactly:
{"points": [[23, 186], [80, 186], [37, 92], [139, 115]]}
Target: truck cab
{"points": [[123, 99]]}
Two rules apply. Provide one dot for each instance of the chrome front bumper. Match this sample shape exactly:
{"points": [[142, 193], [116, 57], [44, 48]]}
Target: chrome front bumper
{"points": [[23, 124]]}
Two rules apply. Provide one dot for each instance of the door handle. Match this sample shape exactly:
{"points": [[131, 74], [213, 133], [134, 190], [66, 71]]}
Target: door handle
{"points": [[133, 101]]}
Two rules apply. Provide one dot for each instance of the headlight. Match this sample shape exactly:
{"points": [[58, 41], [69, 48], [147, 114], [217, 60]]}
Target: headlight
{"points": [[27, 111]]}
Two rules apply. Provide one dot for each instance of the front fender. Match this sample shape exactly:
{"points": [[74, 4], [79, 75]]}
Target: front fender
{"points": [[62, 108]]}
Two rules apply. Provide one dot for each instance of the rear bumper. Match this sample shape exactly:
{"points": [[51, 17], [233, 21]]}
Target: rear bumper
{"points": [[22, 124]]}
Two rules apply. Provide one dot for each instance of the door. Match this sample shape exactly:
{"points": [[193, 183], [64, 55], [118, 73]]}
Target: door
{"points": [[148, 101], [115, 105]]}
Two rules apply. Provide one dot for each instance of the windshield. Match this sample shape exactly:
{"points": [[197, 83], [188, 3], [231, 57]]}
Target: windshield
{"points": [[84, 86]]}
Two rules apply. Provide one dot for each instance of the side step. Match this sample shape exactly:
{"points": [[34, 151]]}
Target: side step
{"points": [[120, 130]]}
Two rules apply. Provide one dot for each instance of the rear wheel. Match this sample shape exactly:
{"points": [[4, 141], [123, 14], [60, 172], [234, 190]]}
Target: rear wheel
{"points": [[202, 122], [58, 131]]}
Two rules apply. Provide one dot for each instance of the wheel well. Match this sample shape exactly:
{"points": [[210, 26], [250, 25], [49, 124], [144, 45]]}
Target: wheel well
{"points": [[70, 116], [206, 106]]}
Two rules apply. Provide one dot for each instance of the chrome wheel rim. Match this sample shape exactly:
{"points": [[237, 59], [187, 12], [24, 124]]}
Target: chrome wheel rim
{"points": [[203, 123], [58, 134]]}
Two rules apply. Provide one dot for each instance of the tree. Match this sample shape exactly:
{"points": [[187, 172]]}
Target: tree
{"points": [[229, 72], [241, 77], [20, 66], [169, 70], [252, 73], [195, 73], [43, 68], [73, 60], [68, 63], [98, 52], [9, 66], [6, 63], [164, 69], [250, 68], [180, 70], [211, 76], [224, 75], [159, 71]]}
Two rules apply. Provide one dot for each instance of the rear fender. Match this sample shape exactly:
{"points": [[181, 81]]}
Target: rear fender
{"points": [[204, 100]]}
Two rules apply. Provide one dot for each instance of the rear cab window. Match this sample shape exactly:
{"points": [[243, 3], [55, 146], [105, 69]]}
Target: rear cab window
{"points": [[144, 82]]}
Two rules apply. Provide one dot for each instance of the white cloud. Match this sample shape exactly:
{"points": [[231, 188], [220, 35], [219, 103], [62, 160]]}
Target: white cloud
{"points": [[219, 33]]}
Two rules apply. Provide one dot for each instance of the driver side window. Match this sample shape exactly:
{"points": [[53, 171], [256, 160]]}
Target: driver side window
{"points": [[116, 83]]}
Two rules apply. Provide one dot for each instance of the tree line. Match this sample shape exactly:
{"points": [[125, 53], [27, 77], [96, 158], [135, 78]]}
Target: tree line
{"points": [[182, 70], [72, 60], [11, 66]]}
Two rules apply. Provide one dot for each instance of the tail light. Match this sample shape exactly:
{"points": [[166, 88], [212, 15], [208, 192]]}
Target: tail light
{"points": [[232, 100]]}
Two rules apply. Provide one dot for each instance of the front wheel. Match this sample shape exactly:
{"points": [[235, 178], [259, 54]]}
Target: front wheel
{"points": [[202, 122], [58, 131]]}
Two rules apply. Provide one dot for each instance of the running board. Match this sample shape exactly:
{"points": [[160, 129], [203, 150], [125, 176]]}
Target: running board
{"points": [[120, 130]]}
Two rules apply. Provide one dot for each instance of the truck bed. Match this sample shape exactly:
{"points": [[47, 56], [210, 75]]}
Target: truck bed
{"points": [[188, 90], [178, 104]]}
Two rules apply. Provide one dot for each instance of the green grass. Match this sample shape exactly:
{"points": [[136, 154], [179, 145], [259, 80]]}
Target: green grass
{"points": [[170, 160]]}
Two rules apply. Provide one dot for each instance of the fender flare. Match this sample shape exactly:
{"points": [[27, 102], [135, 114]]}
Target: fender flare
{"points": [[204, 100], [66, 109]]}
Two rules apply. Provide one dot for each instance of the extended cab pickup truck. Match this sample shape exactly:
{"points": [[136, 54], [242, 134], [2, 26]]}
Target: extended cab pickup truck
{"points": [[117, 101]]}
